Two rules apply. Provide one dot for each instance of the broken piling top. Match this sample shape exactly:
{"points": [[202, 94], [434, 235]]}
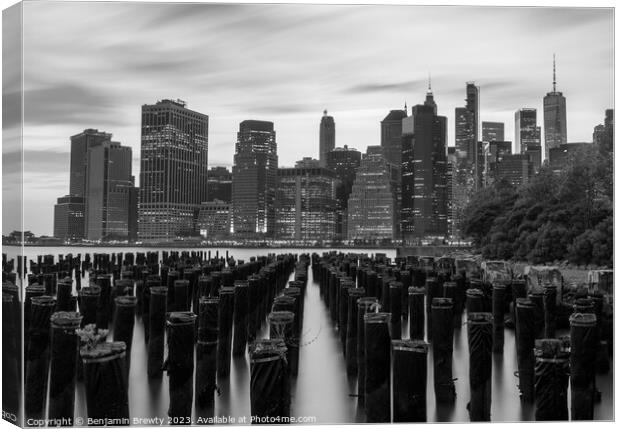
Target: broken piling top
{"points": [[377, 317], [442, 303], [92, 290], [179, 318], [66, 320], [158, 290], [414, 346], [267, 349], [479, 318], [582, 319], [103, 352], [474, 293], [44, 301], [413, 290], [126, 301], [368, 302], [35, 289], [279, 318], [525, 303]]}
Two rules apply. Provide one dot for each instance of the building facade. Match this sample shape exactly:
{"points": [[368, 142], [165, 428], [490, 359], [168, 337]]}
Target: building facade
{"points": [[327, 137], [254, 178], [306, 203], [391, 134], [424, 185], [213, 219], [109, 185], [515, 169], [344, 162], [80, 143], [492, 131], [372, 203], [173, 170], [527, 133], [219, 184], [603, 136], [69, 218]]}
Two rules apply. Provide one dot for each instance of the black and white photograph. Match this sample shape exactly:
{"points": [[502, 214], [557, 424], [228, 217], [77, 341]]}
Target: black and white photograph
{"points": [[227, 213]]}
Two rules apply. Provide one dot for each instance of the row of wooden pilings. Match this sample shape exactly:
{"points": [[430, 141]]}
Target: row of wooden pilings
{"points": [[189, 302], [370, 298]]}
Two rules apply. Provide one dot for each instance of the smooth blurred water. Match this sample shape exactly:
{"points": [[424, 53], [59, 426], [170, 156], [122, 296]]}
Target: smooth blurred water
{"points": [[322, 388]]}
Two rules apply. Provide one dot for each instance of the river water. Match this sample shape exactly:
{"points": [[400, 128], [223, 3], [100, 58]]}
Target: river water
{"points": [[322, 390]]}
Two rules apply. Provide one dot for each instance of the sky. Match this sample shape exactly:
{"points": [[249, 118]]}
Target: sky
{"points": [[93, 65]]}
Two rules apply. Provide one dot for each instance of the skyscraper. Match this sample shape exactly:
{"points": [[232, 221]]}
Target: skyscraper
{"points": [[424, 193], [554, 117], [305, 202], [327, 137], [391, 132], [526, 132], [344, 162], [516, 169], [492, 131], [108, 191], [463, 134], [79, 146], [372, 203], [173, 169], [254, 176]]}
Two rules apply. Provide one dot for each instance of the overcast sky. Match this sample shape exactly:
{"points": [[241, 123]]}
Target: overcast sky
{"points": [[92, 65]]}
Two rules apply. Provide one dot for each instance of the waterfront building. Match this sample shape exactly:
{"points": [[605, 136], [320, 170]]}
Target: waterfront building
{"points": [[344, 161], [219, 184], [173, 170], [254, 177], [424, 193], [69, 218], [554, 105], [372, 215], [213, 219], [306, 202], [492, 131], [327, 137]]}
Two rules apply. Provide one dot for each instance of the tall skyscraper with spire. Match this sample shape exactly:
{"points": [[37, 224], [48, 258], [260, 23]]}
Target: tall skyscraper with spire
{"points": [[554, 117], [327, 137]]}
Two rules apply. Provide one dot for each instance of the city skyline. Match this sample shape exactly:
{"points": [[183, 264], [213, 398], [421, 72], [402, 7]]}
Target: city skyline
{"points": [[101, 80]]}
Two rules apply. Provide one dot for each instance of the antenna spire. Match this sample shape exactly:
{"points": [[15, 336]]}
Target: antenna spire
{"points": [[553, 72], [405, 107], [429, 82]]}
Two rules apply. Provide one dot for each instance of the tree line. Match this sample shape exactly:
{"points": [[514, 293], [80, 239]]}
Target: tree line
{"points": [[557, 216]]}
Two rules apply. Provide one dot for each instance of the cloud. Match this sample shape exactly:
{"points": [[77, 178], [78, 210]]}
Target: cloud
{"points": [[400, 87], [70, 103]]}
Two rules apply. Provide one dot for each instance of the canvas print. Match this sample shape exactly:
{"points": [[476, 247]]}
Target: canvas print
{"points": [[231, 214]]}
